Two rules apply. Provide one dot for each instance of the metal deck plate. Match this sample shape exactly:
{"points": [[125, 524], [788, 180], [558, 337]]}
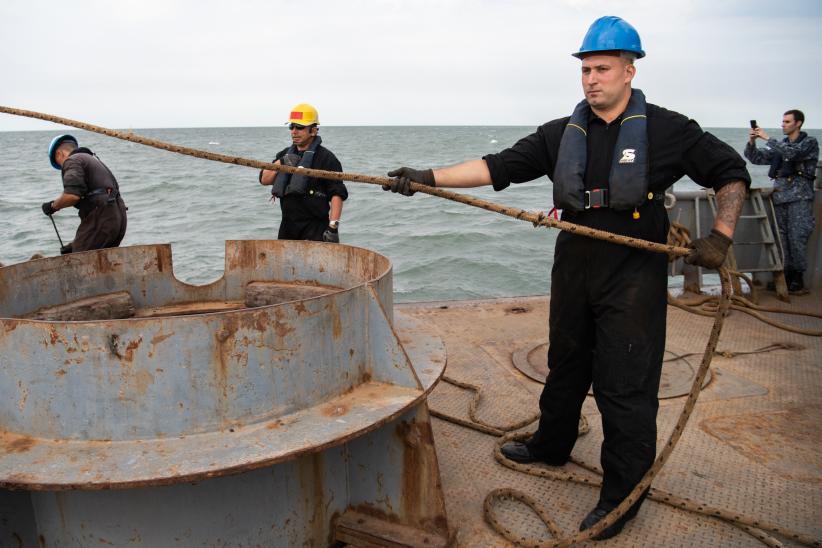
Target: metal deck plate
{"points": [[480, 337]]}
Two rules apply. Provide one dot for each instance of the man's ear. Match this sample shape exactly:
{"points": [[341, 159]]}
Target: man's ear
{"points": [[631, 70]]}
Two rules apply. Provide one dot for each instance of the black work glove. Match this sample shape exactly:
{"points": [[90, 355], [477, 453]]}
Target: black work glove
{"points": [[405, 176], [331, 235], [66, 249], [710, 251], [48, 209]]}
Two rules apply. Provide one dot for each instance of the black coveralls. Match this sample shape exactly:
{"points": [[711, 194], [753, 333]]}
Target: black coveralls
{"points": [[305, 217], [101, 208], [608, 302]]}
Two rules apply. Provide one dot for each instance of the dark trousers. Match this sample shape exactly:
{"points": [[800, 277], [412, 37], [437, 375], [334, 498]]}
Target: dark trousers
{"points": [[104, 226], [311, 229], [607, 328]]}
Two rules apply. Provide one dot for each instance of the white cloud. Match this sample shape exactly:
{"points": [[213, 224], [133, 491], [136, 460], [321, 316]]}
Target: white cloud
{"points": [[172, 64]]}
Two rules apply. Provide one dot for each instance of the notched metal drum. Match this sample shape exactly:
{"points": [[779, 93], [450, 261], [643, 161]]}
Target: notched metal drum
{"points": [[280, 404]]}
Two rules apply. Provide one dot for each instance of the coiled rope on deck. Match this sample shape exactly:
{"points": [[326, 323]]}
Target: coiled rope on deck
{"points": [[538, 219], [753, 526], [706, 305]]}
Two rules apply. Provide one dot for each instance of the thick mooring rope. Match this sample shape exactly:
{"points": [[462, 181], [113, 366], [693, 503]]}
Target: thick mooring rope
{"points": [[706, 305], [538, 219], [753, 526]]}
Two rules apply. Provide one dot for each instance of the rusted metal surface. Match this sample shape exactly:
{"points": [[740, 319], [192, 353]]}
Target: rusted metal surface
{"points": [[411, 496], [363, 530], [101, 419]]}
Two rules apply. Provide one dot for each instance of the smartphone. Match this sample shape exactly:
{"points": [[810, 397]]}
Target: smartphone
{"points": [[753, 124]]}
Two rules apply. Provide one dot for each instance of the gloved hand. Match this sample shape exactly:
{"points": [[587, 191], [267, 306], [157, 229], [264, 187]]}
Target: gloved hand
{"points": [[48, 209], [331, 235], [710, 251], [66, 249], [406, 175]]}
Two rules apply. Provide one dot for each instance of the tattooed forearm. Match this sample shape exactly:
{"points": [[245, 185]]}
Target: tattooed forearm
{"points": [[729, 201]]}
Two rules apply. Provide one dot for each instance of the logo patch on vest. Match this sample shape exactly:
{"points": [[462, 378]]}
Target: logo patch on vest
{"points": [[628, 156]]}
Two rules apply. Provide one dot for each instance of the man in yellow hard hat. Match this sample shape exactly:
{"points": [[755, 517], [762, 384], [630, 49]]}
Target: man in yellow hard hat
{"points": [[311, 207], [610, 163]]}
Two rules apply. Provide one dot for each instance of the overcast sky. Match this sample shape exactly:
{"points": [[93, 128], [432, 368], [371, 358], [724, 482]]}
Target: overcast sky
{"points": [[146, 63]]}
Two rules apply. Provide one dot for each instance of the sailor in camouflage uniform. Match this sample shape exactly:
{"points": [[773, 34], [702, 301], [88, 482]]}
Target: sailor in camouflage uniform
{"points": [[793, 167]]}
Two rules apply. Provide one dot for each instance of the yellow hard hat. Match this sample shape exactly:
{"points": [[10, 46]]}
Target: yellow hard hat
{"points": [[304, 114]]}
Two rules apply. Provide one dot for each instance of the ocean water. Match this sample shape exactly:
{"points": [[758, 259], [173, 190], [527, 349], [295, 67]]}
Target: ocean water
{"points": [[440, 249]]}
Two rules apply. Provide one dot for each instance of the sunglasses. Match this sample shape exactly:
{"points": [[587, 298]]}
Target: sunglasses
{"points": [[297, 126]]}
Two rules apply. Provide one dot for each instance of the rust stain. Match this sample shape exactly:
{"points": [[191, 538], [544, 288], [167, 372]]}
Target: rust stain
{"points": [[9, 326], [334, 410], [160, 337], [20, 444], [224, 349], [282, 329], [336, 324], [300, 308], [372, 511], [131, 347], [244, 256], [142, 380], [104, 265], [313, 487], [163, 258], [422, 498], [60, 372]]}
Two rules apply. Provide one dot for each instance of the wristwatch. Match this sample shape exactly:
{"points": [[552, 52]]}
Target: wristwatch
{"points": [[334, 224]]}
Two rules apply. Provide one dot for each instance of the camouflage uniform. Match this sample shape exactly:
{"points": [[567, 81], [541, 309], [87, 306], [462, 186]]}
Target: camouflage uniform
{"points": [[793, 166]]}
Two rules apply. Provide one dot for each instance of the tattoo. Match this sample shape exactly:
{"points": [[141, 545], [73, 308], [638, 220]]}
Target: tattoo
{"points": [[729, 200]]}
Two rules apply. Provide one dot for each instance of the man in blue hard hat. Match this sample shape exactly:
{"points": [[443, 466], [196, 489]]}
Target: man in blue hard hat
{"points": [[610, 162], [89, 186]]}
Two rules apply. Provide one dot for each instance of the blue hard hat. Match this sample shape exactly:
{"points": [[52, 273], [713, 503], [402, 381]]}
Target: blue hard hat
{"points": [[56, 142], [611, 33]]}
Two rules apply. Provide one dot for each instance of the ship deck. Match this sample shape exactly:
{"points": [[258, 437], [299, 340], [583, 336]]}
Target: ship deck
{"points": [[752, 445]]}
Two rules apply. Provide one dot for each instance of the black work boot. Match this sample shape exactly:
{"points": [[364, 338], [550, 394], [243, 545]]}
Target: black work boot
{"points": [[595, 515], [797, 284], [518, 451]]}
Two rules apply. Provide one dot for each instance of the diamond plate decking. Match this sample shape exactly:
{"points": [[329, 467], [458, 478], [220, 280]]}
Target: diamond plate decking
{"points": [[752, 445]]}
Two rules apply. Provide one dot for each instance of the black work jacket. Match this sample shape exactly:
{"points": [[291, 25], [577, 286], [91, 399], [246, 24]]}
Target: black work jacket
{"points": [[315, 204], [677, 146]]}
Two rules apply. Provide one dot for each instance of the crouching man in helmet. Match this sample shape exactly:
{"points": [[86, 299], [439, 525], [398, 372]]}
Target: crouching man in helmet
{"points": [[89, 186], [311, 207], [610, 163]]}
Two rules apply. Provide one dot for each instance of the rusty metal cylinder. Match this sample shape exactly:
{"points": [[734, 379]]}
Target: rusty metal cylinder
{"points": [[262, 408]]}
